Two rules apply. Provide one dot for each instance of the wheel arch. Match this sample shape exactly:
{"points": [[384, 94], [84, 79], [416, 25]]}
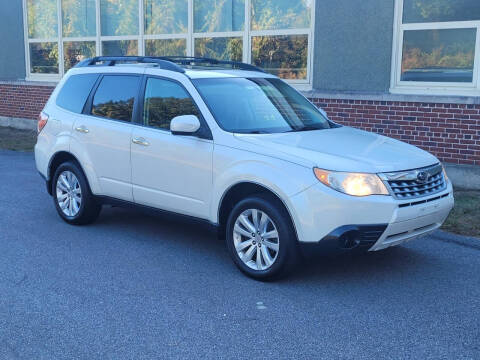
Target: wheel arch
{"points": [[241, 190], [57, 159]]}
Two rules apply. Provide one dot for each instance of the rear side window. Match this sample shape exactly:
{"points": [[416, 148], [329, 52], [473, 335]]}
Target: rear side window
{"points": [[165, 100], [75, 91], [115, 97]]}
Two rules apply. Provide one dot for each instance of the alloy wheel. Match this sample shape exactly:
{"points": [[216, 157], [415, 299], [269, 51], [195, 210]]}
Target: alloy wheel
{"points": [[69, 193], [256, 239]]}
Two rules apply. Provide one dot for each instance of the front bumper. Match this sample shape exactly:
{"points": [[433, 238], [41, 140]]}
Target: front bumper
{"points": [[320, 214]]}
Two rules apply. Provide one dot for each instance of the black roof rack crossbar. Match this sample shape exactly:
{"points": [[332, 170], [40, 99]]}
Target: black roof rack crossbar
{"points": [[192, 61], [172, 63], [112, 61]]}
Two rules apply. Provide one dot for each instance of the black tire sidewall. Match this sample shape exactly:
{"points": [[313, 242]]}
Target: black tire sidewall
{"points": [[287, 238], [72, 167]]}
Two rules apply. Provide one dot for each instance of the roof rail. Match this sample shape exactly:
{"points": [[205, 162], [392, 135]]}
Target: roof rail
{"points": [[163, 63], [201, 61], [172, 63]]}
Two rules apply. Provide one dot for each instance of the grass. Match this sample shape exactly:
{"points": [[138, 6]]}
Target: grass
{"points": [[465, 217], [463, 220], [19, 140]]}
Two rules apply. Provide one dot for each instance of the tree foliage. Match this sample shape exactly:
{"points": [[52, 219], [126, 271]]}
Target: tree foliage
{"points": [[78, 17], [166, 16]]}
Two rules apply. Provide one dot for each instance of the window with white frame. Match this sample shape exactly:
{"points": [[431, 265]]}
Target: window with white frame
{"points": [[437, 47], [276, 35]]}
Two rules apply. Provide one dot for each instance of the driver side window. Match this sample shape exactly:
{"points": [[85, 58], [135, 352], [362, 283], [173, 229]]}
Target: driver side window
{"points": [[164, 100]]}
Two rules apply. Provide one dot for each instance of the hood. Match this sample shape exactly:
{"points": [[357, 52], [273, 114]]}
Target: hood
{"points": [[343, 149]]}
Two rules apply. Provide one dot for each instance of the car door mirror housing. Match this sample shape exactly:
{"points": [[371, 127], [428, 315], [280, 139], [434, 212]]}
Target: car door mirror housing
{"points": [[184, 125]]}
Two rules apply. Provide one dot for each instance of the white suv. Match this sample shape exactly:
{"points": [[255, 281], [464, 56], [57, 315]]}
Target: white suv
{"points": [[237, 147]]}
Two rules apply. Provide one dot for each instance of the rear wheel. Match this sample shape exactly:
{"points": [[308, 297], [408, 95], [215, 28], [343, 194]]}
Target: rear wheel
{"points": [[261, 239], [72, 197]]}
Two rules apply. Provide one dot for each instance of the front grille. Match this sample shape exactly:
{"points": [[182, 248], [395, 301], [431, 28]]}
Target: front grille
{"points": [[408, 185]]}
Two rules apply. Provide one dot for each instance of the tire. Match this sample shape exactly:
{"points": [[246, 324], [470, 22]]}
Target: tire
{"points": [[70, 185], [241, 245]]}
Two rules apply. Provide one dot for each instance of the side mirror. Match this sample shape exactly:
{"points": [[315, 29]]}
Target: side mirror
{"points": [[184, 125]]}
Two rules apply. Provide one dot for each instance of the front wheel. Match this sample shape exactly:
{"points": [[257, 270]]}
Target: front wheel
{"points": [[261, 238]]}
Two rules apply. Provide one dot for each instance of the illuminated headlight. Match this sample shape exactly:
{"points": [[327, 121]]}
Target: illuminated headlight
{"points": [[355, 184]]}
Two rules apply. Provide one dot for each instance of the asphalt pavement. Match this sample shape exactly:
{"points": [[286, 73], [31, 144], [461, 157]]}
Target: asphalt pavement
{"points": [[141, 286]]}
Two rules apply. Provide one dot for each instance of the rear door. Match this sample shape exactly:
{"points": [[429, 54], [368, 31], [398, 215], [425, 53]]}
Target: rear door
{"points": [[104, 133], [171, 172]]}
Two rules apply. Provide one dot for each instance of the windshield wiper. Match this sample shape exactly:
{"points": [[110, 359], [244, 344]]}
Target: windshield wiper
{"points": [[256, 132], [306, 128]]}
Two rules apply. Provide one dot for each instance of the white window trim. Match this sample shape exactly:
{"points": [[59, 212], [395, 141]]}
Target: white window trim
{"points": [[430, 88], [190, 36]]}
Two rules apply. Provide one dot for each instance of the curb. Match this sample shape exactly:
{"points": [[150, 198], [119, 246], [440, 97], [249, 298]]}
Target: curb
{"points": [[467, 241]]}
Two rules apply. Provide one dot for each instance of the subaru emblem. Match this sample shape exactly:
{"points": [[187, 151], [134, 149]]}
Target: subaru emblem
{"points": [[422, 177]]}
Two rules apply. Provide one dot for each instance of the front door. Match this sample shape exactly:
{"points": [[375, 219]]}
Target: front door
{"points": [[170, 172]]}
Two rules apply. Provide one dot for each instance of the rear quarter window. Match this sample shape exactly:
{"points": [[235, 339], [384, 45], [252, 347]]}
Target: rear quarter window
{"points": [[75, 92]]}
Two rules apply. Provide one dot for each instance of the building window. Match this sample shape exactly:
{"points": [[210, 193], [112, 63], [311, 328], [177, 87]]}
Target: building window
{"points": [[437, 47], [276, 35]]}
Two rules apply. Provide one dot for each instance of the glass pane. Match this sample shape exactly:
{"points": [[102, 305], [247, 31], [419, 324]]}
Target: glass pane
{"points": [[282, 55], [419, 11], [218, 15], [44, 58], [219, 48], [438, 55], [76, 51], [119, 17], [115, 97], [280, 14], [166, 16], [166, 47], [75, 92], [78, 18], [259, 105], [120, 47], [165, 100], [42, 19]]}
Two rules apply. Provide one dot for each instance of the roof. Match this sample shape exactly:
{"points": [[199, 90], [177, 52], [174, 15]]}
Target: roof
{"points": [[193, 67]]}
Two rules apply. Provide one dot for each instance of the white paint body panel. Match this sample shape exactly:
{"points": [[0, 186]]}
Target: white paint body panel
{"points": [[174, 172], [190, 176]]}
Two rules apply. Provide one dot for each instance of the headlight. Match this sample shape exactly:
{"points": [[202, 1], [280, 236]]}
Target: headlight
{"points": [[355, 184], [445, 175]]}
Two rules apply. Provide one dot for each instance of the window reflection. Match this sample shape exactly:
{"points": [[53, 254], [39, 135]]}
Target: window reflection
{"points": [[166, 47], [280, 14], [115, 97], [42, 19], [438, 55], [219, 48], [44, 58], [218, 15], [418, 11], [119, 17], [281, 55], [165, 100], [78, 18], [166, 16], [120, 48], [76, 51]]}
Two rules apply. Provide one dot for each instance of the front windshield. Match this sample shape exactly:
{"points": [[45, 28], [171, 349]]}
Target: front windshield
{"points": [[259, 105]]}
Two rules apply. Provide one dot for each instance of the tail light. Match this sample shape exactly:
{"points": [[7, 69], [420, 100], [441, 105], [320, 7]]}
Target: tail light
{"points": [[42, 121]]}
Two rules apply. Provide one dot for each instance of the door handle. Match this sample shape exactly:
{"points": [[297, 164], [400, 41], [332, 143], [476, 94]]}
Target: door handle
{"points": [[140, 141], [82, 129]]}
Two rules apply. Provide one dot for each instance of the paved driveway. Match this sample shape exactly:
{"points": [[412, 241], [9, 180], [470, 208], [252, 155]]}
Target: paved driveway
{"points": [[134, 286]]}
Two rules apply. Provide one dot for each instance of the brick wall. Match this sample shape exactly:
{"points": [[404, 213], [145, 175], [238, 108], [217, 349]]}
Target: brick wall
{"points": [[23, 101], [450, 131]]}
